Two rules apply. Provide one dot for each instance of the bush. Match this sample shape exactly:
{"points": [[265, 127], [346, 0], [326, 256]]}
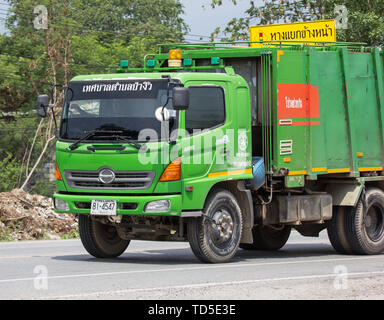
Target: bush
{"points": [[9, 174]]}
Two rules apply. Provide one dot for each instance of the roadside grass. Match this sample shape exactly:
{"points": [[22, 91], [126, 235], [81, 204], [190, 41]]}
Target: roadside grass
{"points": [[74, 235], [5, 235], [7, 230], [10, 230]]}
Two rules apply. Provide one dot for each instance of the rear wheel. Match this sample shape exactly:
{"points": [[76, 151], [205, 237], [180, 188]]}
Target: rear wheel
{"points": [[100, 240], [365, 224], [268, 238], [215, 237], [337, 232]]}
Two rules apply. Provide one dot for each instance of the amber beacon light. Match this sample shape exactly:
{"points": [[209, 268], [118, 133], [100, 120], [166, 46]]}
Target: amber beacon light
{"points": [[174, 59]]}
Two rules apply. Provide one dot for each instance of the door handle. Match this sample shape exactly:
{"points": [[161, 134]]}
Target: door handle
{"points": [[224, 151]]}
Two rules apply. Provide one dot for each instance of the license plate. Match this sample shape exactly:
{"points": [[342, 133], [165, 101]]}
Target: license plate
{"points": [[103, 207]]}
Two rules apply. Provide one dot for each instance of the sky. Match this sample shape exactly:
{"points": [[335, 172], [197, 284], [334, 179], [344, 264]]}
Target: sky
{"points": [[203, 20], [3, 13], [199, 15]]}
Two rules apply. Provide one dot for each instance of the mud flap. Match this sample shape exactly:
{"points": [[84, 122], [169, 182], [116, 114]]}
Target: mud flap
{"points": [[246, 205], [345, 194]]}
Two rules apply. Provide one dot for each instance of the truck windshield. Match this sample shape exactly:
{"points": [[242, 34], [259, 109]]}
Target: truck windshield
{"points": [[121, 106]]}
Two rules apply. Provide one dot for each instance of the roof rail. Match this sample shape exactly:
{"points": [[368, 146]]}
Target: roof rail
{"points": [[276, 43]]}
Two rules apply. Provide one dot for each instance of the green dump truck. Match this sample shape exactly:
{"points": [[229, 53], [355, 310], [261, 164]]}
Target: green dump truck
{"points": [[226, 147]]}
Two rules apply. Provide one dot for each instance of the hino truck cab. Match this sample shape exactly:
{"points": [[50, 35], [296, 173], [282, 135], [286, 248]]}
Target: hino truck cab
{"points": [[137, 157]]}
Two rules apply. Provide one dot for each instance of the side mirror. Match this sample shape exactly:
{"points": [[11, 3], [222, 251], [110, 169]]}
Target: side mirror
{"points": [[180, 98], [42, 105]]}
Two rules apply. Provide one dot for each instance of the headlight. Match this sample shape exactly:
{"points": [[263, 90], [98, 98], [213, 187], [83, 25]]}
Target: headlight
{"points": [[61, 205], [158, 206]]}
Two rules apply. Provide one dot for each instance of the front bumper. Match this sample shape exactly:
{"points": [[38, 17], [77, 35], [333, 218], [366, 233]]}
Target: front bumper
{"points": [[126, 205]]}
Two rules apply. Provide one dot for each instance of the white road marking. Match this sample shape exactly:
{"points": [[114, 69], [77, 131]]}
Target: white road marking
{"points": [[145, 251], [38, 255], [211, 284], [34, 243], [205, 267]]}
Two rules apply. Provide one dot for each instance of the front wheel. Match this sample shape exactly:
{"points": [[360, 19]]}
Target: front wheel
{"points": [[100, 240], [215, 237]]}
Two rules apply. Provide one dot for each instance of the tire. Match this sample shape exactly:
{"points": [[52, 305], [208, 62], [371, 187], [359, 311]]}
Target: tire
{"points": [[337, 232], [100, 240], [365, 224], [268, 239], [207, 242]]}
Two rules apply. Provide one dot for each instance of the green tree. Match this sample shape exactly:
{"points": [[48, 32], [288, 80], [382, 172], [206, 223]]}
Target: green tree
{"points": [[365, 18], [114, 29], [83, 37], [159, 20]]}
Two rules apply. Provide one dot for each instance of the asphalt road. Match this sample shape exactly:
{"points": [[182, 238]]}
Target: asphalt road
{"points": [[306, 268]]}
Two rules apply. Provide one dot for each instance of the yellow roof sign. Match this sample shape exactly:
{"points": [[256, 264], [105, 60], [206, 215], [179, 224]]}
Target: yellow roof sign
{"points": [[321, 31]]}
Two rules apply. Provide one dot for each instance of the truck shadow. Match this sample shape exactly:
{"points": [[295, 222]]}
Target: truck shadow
{"points": [[185, 256]]}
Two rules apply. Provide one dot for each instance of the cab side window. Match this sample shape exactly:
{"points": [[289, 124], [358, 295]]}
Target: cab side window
{"points": [[206, 108]]}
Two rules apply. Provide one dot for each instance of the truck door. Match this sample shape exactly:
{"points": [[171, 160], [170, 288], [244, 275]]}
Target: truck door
{"points": [[207, 147]]}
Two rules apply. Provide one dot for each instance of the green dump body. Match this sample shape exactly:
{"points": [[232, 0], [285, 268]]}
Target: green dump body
{"points": [[329, 112]]}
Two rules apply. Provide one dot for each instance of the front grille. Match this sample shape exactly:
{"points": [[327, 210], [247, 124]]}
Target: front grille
{"points": [[124, 180]]}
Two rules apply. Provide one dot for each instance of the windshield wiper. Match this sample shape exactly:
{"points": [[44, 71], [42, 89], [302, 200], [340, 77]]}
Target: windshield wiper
{"points": [[125, 139], [89, 135]]}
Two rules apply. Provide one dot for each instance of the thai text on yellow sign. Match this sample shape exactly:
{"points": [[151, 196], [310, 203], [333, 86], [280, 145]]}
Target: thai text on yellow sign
{"points": [[314, 31]]}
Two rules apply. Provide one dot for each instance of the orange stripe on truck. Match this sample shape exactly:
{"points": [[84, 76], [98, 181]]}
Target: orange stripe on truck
{"points": [[229, 173]]}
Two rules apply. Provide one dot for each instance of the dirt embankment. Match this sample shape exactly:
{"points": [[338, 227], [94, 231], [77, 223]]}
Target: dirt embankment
{"points": [[29, 217]]}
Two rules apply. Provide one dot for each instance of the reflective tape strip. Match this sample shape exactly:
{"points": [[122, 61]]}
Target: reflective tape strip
{"points": [[344, 170], [371, 169], [229, 173], [320, 169], [297, 173]]}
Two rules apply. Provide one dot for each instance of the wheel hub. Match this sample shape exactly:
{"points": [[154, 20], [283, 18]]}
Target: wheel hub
{"points": [[374, 223], [368, 221], [223, 225]]}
